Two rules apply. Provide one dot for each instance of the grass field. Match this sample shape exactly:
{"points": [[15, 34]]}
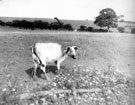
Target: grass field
{"points": [[96, 50]]}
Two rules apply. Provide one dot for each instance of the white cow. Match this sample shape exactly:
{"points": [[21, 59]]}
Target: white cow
{"points": [[44, 53]]}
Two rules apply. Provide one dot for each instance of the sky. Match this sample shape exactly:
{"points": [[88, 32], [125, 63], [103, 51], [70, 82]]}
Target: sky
{"points": [[66, 9]]}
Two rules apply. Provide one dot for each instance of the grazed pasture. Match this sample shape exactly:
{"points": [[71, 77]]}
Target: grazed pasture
{"points": [[97, 50]]}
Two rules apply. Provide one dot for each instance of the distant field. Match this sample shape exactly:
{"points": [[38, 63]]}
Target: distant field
{"points": [[75, 23], [96, 50]]}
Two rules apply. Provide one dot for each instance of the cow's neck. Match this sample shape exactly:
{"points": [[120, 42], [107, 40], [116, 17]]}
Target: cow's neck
{"points": [[64, 56]]}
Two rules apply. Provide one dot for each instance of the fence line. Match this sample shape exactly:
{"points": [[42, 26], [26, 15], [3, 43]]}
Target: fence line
{"points": [[42, 93]]}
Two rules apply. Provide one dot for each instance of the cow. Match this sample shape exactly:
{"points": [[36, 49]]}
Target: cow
{"points": [[44, 53]]}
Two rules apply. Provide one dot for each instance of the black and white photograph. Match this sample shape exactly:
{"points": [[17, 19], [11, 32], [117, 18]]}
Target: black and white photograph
{"points": [[67, 52]]}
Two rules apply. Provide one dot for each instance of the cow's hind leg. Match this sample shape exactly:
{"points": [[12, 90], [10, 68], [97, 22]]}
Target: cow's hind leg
{"points": [[34, 72], [43, 67]]}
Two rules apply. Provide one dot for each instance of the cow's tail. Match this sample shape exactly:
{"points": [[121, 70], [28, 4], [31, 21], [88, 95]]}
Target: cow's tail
{"points": [[35, 56]]}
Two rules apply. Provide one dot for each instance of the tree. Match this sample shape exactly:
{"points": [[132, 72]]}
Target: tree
{"points": [[2, 23], [68, 27], [82, 28], [107, 18]]}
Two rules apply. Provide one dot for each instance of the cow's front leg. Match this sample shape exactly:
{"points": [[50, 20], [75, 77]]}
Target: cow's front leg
{"points": [[58, 66]]}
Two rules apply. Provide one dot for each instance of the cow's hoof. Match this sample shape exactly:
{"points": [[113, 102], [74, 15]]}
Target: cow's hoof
{"points": [[34, 78], [47, 78]]}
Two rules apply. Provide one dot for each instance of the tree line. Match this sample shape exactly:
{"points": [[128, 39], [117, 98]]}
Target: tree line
{"points": [[107, 18], [37, 24]]}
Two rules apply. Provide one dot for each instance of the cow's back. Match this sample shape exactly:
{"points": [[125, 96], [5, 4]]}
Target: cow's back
{"points": [[48, 51]]}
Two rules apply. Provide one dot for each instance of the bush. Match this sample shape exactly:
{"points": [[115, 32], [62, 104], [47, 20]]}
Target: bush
{"points": [[133, 31], [89, 29], [2, 23], [37, 24], [40, 24], [55, 26], [121, 29], [68, 27], [82, 28]]}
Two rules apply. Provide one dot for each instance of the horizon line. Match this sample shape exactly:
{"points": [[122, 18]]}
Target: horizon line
{"points": [[53, 18]]}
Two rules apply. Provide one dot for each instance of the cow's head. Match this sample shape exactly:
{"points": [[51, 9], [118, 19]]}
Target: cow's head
{"points": [[71, 51]]}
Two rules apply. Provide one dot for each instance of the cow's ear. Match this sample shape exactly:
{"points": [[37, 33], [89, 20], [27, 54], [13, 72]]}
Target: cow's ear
{"points": [[75, 47], [67, 49]]}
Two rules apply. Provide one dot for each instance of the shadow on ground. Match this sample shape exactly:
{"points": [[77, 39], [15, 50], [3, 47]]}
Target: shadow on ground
{"points": [[40, 73]]}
